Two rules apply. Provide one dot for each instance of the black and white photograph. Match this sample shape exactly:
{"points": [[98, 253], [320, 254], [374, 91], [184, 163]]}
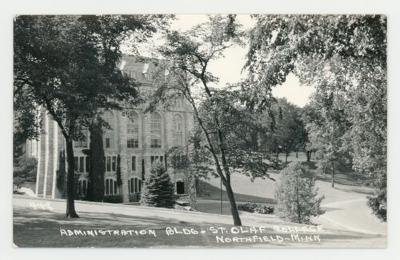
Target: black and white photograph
{"points": [[201, 131]]}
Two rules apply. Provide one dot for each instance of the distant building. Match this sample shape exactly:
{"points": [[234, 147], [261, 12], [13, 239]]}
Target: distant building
{"points": [[138, 138]]}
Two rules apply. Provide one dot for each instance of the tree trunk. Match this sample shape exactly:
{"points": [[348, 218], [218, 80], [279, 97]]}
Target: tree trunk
{"points": [[286, 156], [234, 210], [70, 212], [97, 164], [333, 175]]}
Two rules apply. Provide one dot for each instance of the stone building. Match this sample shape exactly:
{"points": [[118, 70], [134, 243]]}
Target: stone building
{"points": [[137, 138]]}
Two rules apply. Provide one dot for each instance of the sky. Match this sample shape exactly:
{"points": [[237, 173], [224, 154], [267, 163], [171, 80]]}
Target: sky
{"points": [[229, 68]]}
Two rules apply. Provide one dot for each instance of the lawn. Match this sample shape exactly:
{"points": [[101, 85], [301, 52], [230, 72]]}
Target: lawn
{"points": [[48, 228], [207, 191]]}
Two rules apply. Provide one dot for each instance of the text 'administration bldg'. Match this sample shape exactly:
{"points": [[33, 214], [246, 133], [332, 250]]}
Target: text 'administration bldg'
{"points": [[138, 139]]}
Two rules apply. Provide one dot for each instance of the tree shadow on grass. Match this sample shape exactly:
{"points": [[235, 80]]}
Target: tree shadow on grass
{"points": [[90, 218], [42, 229]]}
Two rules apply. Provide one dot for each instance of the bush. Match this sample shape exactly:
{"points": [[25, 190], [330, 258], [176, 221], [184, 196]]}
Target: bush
{"points": [[158, 190], [296, 194], [256, 208], [378, 204], [24, 171], [113, 199]]}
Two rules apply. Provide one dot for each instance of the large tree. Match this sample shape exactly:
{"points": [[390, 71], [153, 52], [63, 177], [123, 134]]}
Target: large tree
{"points": [[284, 128], [220, 113], [344, 57], [68, 66], [329, 133]]}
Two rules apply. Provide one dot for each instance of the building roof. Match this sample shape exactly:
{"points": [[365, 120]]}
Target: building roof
{"points": [[142, 69]]}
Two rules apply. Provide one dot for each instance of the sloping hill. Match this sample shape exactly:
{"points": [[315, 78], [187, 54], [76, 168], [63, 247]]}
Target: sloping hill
{"points": [[345, 205]]}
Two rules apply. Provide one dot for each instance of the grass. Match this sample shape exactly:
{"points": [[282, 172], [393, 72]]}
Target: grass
{"points": [[36, 228], [210, 192]]}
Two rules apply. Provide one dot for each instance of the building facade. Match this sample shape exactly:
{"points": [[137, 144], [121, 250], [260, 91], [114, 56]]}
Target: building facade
{"points": [[135, 139]]}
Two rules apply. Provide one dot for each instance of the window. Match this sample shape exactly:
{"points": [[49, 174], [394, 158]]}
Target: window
{"points": [[111, 187], [82, 142], [82, 187], [135, 185], [133, 163], [114, 163], [76, 163], [180, 187], [132, 130], [81, 164], [109, 118], [108, 139], [111, 163], [156, 157], [155, 130], [132, 143], [108, 163], [178, 130]]}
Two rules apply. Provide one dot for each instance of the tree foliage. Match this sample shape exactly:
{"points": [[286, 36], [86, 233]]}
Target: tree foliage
{"points": [[296, 194], [284, 128], [344, 57], [68, 65], [158, 190], [24, 170], [226, 133]]}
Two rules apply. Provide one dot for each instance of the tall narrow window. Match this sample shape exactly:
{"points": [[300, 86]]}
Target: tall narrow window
{"points": [[114, 163], [132, 130], [108, 163], [136, 185], [155, 131], [178, 130], [111, 187], [133, 163], [76, 162], [81, 163], [130, 186], [82, 187], [109, 118], [107, 186]]}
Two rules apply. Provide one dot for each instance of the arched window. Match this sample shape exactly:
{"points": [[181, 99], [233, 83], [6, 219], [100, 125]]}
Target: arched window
{"points": [[155, 130], [180, 187], [132, 130], [178, 130], [111, 187], [134, 185]]}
